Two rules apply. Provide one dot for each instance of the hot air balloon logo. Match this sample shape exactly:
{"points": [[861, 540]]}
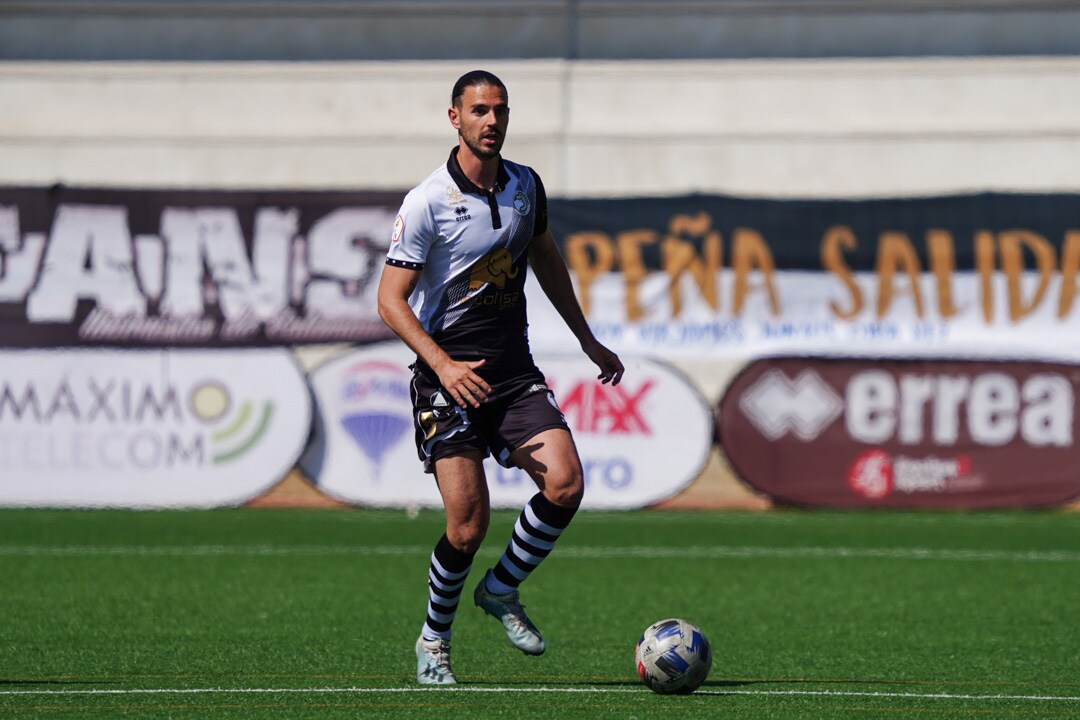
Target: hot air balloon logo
{"points": [[375, 409]]}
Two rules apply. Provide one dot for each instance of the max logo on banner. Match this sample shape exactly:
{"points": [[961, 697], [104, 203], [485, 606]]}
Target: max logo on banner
{"points": [[615, 410]]}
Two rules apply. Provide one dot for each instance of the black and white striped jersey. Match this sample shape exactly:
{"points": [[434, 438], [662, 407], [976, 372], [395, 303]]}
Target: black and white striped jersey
{"points": [[471, 247]]}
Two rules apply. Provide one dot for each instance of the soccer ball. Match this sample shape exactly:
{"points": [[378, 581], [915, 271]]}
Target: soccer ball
{"points": [[673, 656]]}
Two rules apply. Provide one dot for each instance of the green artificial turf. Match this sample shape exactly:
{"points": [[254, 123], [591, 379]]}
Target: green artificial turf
{"points": [[313, 614]]}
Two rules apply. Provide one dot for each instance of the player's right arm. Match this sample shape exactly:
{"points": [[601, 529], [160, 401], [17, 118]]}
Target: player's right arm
{"points": [[458, 378]]}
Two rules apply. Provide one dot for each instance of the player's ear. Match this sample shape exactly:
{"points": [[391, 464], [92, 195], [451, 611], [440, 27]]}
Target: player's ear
{"points": [[455, 117]]}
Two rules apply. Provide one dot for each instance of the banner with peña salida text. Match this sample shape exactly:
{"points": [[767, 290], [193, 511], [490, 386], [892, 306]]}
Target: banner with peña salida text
{"points": [[966, 275]]}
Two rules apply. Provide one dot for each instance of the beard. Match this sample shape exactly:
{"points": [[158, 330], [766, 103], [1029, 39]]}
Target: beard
{"points": [[480, 151]]}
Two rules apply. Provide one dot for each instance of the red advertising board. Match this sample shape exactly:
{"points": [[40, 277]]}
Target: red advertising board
{"points": [[905, 433]]}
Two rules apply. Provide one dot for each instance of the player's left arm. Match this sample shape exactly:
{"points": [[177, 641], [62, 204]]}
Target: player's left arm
{"points": [[550, 270]]}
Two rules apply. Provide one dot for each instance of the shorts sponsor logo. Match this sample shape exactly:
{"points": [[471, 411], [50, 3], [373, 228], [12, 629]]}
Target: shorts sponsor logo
{"points": [[941, 433], [555, 403]]}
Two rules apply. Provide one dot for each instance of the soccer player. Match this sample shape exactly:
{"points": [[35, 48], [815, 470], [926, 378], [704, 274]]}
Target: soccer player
{"points": [[453, 290]]}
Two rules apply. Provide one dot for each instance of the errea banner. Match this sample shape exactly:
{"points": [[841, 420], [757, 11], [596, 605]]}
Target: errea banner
{"points": [[905, 433], [148, 428], [640, 441], [190, 268]]}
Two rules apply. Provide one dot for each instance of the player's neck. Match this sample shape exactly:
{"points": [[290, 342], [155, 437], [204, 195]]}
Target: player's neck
{"points": [[482, 172]]}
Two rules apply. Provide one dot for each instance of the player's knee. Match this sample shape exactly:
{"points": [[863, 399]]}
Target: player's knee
{"points": [[467, 537], [568, 491]]}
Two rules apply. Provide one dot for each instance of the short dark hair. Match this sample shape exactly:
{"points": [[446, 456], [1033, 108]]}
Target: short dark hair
{"points": [[474, 77]]}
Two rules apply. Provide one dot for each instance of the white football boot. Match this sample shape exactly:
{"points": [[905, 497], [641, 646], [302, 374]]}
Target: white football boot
{"points": [[508, 609], [433, 662]]}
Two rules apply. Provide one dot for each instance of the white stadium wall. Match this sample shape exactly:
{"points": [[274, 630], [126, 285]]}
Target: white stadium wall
{"points": [[772, 128]]}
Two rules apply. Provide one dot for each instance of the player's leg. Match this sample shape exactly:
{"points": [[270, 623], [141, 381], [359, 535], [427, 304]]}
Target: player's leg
{"points": [[550, 458], [448, 445], [465, 499], [552, 461]]}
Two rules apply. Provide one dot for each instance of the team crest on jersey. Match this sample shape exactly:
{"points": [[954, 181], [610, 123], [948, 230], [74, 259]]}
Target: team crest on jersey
{"points": [[454, 196], [521, 203], [399, 228]]}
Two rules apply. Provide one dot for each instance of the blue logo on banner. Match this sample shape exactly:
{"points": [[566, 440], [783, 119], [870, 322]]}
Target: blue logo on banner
{"points": [[375, 396]]}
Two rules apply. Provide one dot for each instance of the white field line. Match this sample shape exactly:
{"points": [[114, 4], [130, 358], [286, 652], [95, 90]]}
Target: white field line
{"points": [[813, 518], [721, 518], [696, 552], [589, 690]]}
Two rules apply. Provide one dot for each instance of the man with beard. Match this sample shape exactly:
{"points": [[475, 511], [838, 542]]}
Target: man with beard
{"points": [[453, 290]]}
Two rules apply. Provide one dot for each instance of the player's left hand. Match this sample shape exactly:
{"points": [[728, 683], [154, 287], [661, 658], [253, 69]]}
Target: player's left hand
{"points": [[611, 368]]}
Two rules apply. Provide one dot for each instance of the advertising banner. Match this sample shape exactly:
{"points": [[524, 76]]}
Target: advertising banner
{"points": [[688, 276], [706, 281], [148, 428], [640, 441], [142, 268], [902, 434], [691, 276]]}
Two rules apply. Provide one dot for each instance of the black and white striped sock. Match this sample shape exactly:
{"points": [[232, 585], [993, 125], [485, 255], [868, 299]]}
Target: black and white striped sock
{"points": [[446, 578], [538, 527]]}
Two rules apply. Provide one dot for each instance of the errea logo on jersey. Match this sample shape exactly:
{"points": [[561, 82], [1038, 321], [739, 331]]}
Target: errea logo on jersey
{"points": [[521, 203]]}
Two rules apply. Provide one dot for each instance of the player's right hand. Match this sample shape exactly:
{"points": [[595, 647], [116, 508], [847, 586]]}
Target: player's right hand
{"points": [[464, 385]]}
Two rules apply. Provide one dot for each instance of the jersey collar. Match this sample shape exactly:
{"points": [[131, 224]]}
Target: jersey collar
{"points": [[465, 184]]}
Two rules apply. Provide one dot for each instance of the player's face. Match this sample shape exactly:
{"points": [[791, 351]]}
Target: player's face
{"points": [[481, 119]]}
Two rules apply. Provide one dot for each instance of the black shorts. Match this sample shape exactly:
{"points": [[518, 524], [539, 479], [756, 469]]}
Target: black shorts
{"points": [[523, 408]]}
